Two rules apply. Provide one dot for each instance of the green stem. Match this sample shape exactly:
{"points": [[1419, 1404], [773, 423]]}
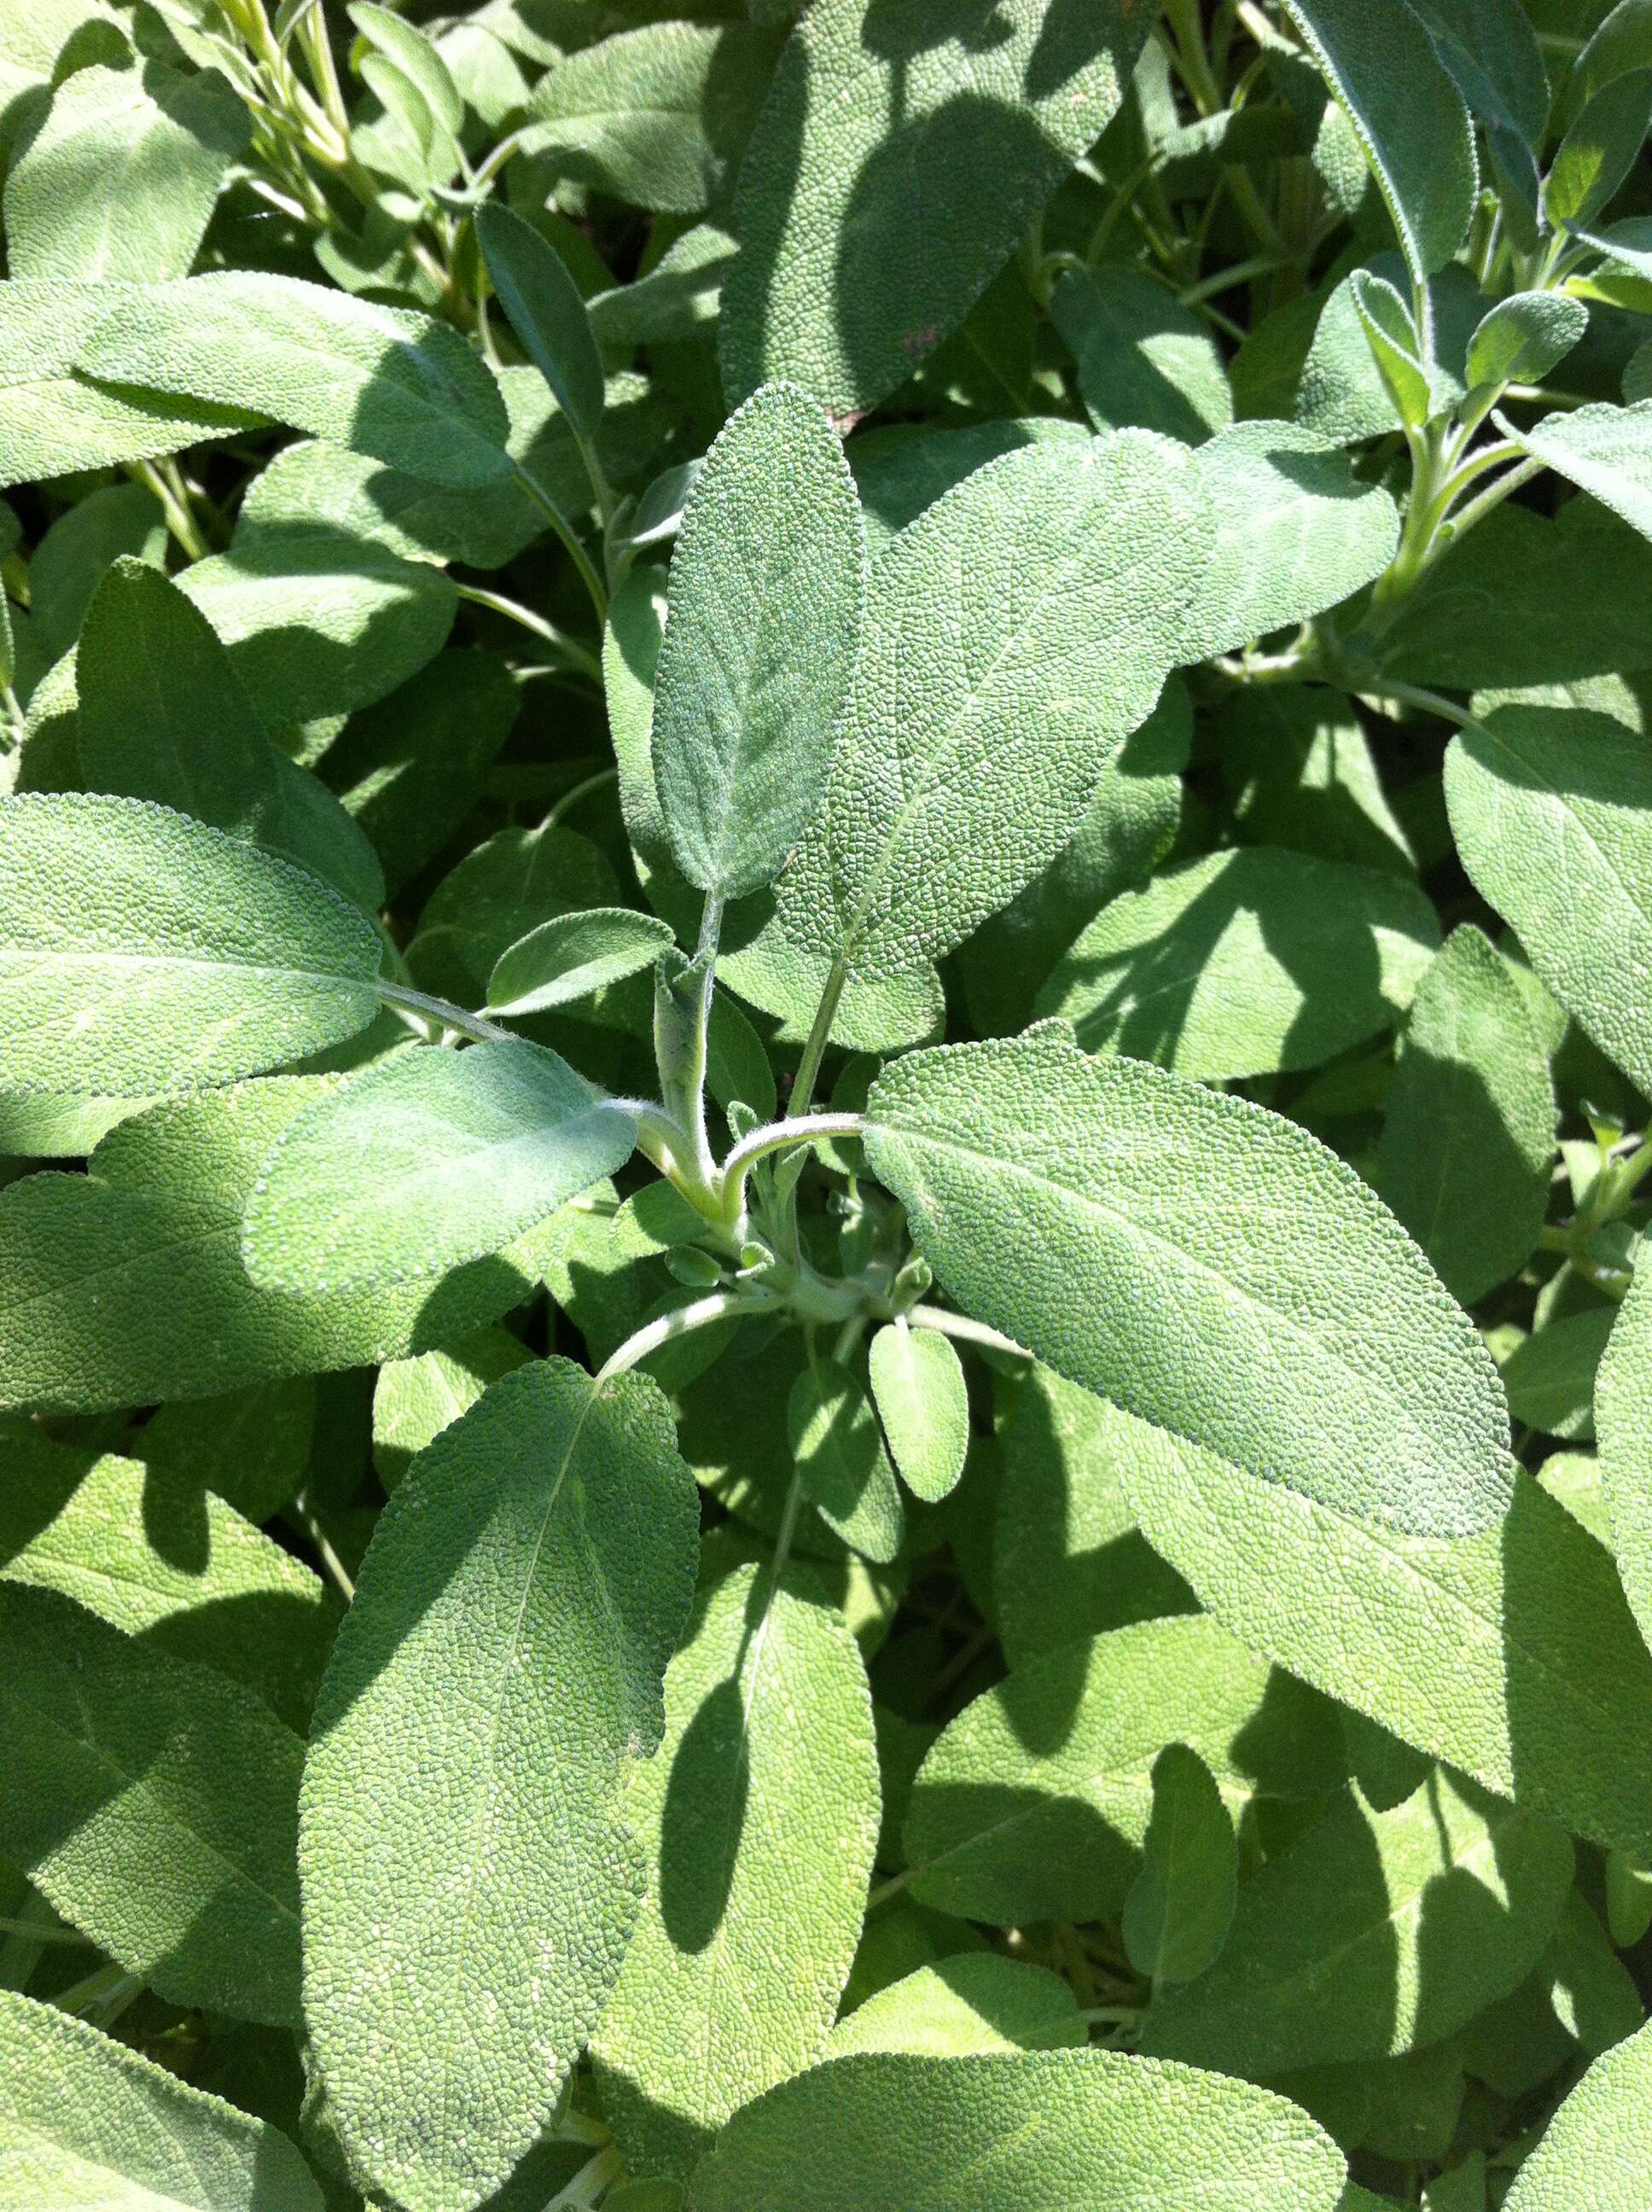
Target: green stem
{"points": [[179, 519], [570, 799], [717, 1305], [966, 1330], [575, 655], [803, 1089], [1415, 695], [776, 1137], [476, 1027], [564, 529]]}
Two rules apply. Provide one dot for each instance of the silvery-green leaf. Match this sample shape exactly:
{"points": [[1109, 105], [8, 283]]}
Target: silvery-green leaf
{"points": [[917, 1382], [1110, 1216], [414, 1400], [1549, 1376], [546, 312], [464, 1857], [1605, 451], [1524, 336], [976, 2002], [1599, 150], [1624, 1423], [572, 955], [1181, 1905], [1596, 2147], [1142, 358], [842, 1464]]}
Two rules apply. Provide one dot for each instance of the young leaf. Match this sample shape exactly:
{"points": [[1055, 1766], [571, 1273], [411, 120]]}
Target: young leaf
{"points": [[1035, 1803], [416, 56], [1511, 1654], [842, 1464], [1469, 1136], [767, 595], [882, 2131], [1396, 346], [1605, 451], [464, 1859], [1245, 961], [546, 310], [765, 1786], [918, 1383], [383, 380], [141, 952], [1550, 808], [1596, 2146], [1106, 1214], [155, 1803], [1374, 1934], [572, 955], [88, 1320], [890, 176], [1408, 116], [1599, 150], [1014, 634], [1181, 1905], [1622, 1413], [429, 1159], [1524, 336], [87, 2121]]}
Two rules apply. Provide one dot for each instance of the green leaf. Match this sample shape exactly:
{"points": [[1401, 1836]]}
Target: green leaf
{"points": [[1374, 1934], [1034, 1804], [1469, 1136], [1396, 346], [1605, 451], [1301, 772], [1408, 115], [414, 1400], [841, 1461], [250, 1447], [462, 1851], [917, 1381], [1106, 1214], [978, 2002], [1143, 357], [1015, 632], [1524, 336], [890, 176], [1624, 1423], [1599, 150], [1550, 808], [162, 716], [765, 1787], [1594, 2150], [572, 955], [152, 1554], [154, 1803], [1245, 961], [1181, 1905], [767, 595], [384, 381], [1490, 49], [1550, 1375], [89, 2122], [659, 116], [882, 2131], [414, 55], [89, 1319], [1511, 1654], [546, 310], [53, 421], [429, 1160], [142, 952]]}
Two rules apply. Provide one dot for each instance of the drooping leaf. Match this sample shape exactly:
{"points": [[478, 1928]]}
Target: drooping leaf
{"points": [[141, 952], [881, 2131], [1015, 632], [891, 174], [464, 1855], [1549, 807], [386, 381], [155, 1803], [1407, 115], [87, 2121], [1035, 1801], [1469, 1134], [89, 1319], [1511, 1654], [917, 1382], [546, 312], [429, 1160], [766, 594], [764, 1789], [1106, 1214], [1181, 1905], [1597, 2144]]}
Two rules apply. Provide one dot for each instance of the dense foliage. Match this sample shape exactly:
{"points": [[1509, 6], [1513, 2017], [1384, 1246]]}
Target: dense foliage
{"points": [[825, 1039]]}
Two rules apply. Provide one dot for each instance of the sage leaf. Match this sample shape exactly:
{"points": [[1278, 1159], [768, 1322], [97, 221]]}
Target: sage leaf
{"points": [[1181, 1905], [765, 1783], [1623, 1416], [879, 2131], [546, 312], [574, 955], [1605, 451], [1469, 1134], [429, 1160], [1524, 336], [1015, 632], [888, 179], [767, 591], [917, 1382], [87, 2121], [842, 1464], [1549, 1376], [1142, 358], [977, 2002], [1103, 1214], [155, 1802], [141, 952], [414, 1400], [1511, 1654], [1374, 1934], [384, 381], [463, 1852], [1547, 805], [1597, 2141]]}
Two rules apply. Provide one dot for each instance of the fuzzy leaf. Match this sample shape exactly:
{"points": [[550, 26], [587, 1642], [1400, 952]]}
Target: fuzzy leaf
{"points": [[572, 955], [842, 1462], [1605, 451], [546, 310], [1623, 1415], [1181, 1905], [1595, 2147], [917, 1382]]}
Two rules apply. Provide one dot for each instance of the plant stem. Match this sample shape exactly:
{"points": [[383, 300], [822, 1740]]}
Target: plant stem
{"points": [[814, 1051], [576, 655], [775, 1137], [966, 1330], [570, 799], [1415, 695], [564, 529], [476, 1027], [179, 519], [718, 1305]]}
